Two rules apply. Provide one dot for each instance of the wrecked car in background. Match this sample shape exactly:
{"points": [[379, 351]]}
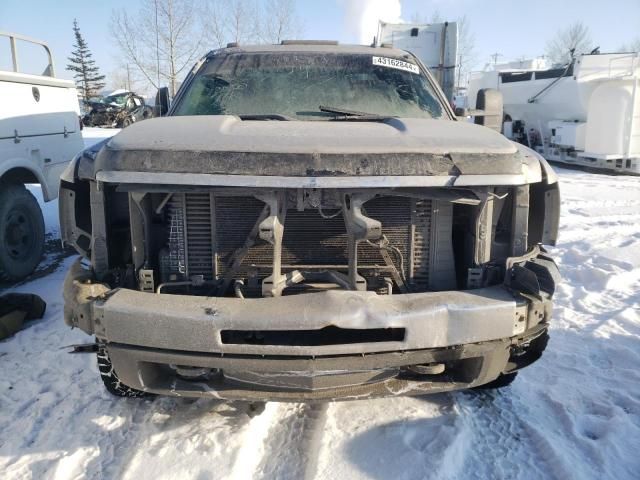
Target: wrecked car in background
{"points": [[117, 110], [310, 222]]}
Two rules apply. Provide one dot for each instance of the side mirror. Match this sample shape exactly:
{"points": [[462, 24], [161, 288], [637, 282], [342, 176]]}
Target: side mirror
{"points": [[489, 101], [162, 102], [461, 112]]}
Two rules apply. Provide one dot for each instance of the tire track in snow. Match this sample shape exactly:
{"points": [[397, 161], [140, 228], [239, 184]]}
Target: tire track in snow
{"points": [[182, 438], [117, 448], [290, 447], [505, 445]]}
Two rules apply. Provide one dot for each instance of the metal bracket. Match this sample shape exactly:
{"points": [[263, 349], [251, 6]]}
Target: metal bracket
{"points": [[383, 246], [145, 280], [271, 230], [483, 230], [474, 278], [520, 221], [359, 227], [241, 253]]}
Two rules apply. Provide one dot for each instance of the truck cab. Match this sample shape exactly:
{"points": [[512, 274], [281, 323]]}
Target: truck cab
{"points": [[39, 135]]}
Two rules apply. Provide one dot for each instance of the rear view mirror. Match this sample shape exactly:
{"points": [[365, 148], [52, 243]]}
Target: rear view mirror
{"points": [[162, 102]]}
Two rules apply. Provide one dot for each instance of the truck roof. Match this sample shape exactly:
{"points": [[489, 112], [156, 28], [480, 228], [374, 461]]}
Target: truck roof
{"points": [[314, 46]]}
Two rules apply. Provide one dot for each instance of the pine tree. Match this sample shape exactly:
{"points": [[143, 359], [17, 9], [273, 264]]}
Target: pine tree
{"points": [[87, 74]]}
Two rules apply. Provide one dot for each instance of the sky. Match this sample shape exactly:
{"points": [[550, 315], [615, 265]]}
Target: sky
{"points": [[511, 29]]}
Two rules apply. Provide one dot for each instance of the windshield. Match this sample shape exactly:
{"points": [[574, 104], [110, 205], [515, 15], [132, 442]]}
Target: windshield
{"points": [[296, 84], [119, 99]]}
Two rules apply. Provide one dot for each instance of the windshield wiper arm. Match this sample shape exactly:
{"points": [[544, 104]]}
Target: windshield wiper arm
{"points": [[345, 112], [342, 114], [265, 116]]}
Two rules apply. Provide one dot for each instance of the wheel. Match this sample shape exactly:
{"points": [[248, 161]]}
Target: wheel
{"points": [[110, 378], [126, 122], [503, 380], [21, 232]]}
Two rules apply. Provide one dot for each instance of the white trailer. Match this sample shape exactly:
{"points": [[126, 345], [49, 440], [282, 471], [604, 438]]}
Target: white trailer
{"points": [[586, 113], [435, 44], [39, 134]]}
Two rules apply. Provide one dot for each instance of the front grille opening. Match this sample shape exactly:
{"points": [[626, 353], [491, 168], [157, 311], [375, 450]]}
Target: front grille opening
{"points": [[197, 243], [331, 335]]}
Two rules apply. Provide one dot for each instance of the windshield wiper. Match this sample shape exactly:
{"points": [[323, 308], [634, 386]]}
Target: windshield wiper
{"points": [[344, 115], [265, 116]]}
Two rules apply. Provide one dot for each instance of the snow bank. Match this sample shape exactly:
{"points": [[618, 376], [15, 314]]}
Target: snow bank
{"points": [[574, 414]]}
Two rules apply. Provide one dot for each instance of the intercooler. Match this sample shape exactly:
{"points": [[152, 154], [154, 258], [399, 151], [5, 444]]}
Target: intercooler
{"points": [[206, 230]]}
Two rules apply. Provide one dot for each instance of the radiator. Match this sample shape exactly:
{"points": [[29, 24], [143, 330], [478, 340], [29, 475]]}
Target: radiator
{"points": [[205, 230]]}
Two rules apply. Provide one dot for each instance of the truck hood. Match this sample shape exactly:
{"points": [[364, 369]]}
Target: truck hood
{"points": [[227, 145]]}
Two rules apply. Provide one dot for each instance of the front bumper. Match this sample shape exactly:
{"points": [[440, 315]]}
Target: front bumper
{"points": [[474, 334]]}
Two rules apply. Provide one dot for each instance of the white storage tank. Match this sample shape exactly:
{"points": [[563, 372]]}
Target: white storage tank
{"points": [[585, 113]]}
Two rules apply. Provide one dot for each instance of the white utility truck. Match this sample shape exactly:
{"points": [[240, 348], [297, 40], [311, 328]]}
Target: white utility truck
{"points": [[584, 113], [39, 135], [435, 45]]}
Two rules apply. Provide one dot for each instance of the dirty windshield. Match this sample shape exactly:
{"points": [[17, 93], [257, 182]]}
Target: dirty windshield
{"points": [[295, 85], [118, 99]]}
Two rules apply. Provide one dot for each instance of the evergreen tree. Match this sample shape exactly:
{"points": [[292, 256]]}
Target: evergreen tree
{"points": [[86, 72]]}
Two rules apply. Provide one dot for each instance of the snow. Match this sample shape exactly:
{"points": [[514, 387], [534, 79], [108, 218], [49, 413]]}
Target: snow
{"points": [[93, 135], [574, 414]]}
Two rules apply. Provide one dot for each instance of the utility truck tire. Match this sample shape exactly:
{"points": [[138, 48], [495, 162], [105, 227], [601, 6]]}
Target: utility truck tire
{"points": [[110, 379], [21, 232]]}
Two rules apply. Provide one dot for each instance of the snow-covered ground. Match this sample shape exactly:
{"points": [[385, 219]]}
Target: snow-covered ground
{"points": [[574, 414]]}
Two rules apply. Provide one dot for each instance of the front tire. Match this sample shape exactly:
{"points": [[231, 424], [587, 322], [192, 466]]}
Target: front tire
{"points": [[110, 378], [21, 232]]}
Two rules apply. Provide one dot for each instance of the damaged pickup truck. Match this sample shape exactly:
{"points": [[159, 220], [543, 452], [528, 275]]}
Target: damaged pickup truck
{"points": [[118, 110], [310, 222]]}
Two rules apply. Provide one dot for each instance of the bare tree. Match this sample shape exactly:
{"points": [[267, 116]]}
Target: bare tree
{"points": [[125, 76], [213, 23], [226, 21], [243, 20], [573, 40], [467, 56], [279, 21], [633, 46], [434, 18], [162, 40]]}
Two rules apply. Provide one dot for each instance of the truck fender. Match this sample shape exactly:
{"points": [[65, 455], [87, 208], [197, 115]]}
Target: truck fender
{"points": [[22, 163]]}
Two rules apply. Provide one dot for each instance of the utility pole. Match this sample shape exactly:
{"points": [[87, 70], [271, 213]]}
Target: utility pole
{"points": [[157, 44], [128, 78], [495, 57]]}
